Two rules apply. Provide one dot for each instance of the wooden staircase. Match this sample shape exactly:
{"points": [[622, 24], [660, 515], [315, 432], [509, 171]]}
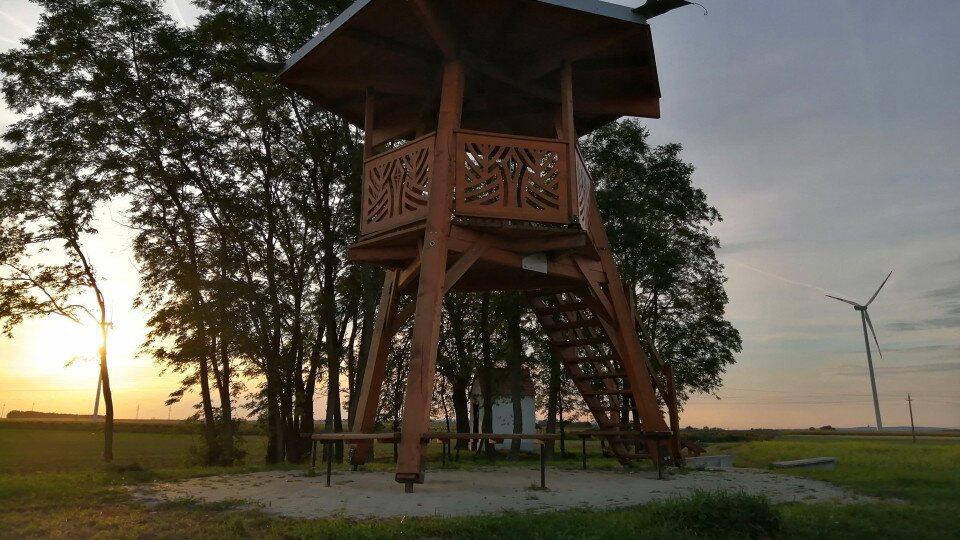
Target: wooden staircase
{"points": [[601, 372]]}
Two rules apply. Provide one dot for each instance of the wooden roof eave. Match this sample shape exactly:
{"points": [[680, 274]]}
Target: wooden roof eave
{"points": [[594, 7]]}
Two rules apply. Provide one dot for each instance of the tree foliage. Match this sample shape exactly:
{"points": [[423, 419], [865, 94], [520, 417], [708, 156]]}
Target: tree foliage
{"points": [[659, 223]]}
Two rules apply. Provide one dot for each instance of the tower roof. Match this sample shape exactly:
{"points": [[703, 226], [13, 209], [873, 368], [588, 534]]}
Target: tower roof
{"points": [[512, 49]]}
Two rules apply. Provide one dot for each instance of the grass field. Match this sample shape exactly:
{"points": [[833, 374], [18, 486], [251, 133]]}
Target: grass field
{"points": [[52, 484]]}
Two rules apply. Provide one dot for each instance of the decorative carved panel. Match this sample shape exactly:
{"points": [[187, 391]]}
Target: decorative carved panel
{"points": [[396, 186], [512, 178], [584, 191]]}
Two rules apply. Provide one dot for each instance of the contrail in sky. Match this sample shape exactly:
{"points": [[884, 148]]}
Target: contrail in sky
{"points": [[15, 21], [176, 11], [785, 280]]}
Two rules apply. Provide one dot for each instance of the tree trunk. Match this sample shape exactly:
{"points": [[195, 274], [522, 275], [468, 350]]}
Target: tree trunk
{"points": [[553, 397], [486, 375], [107, 393], [227, 455], [515, 360], [209, 421], [461, 408]]}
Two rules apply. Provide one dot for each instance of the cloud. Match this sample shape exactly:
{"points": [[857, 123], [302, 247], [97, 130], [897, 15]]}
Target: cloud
{"points": [[949, 297], [933, 323], [919, 348], [947, 293], [850, 370]]}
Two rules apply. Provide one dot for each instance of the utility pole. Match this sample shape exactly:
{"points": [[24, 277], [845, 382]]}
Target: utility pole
{"points": [[168, 412], [138, 412], [3, 411], [913, 430]]}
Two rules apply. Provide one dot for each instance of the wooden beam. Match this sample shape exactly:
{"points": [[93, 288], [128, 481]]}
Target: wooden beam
{"points": [[571, 50], [391, 45], [434, 24], [598, 293], [368, 127], [376, 366], [461, 239], [429, 300], [570, 136], [646, 108], [455, 272], [412, 83], [409, 274], [381, 253], [547, 243], [403, 315], [486, 67], [612, 63]]}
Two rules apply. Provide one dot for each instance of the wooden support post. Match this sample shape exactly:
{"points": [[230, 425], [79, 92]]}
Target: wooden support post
{"points": [[433, 266], [368, 125], [376, 366], [569, 135], [313, 458]]}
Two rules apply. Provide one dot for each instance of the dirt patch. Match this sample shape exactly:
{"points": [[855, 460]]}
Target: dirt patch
{"points": [[458, 493]]}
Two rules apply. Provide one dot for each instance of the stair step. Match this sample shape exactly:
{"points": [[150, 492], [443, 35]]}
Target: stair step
{"points": [[597, 358], [599, 376], [581, 342], [572, 325], [562, 308], [594, 393]]}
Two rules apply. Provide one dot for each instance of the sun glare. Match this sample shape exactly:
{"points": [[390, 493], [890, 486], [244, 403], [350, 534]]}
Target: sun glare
{"points": [[62, 352]]}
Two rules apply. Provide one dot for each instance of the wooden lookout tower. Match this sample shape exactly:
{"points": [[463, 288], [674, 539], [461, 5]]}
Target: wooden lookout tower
{"points": [[472, 181]]}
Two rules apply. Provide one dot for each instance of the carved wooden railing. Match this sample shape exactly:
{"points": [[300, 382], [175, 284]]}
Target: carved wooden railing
{"points": [[396, 186], [510, 177], [584, 191], [497, 176]]}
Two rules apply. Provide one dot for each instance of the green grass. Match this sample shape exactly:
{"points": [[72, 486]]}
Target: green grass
{"points": [[52, 484], [921, 481]]}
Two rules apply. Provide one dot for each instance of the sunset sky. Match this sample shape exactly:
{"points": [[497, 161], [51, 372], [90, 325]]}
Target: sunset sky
{"points": [[826, 132]]}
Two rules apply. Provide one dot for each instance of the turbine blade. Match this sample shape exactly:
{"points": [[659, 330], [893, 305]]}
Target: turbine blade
{"points": [[874, 332], [878, 290], [852, 303]]}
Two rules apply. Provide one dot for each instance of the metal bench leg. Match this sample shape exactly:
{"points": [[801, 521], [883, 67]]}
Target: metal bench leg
{"points": [[583, 452], [313, 459], [543, 466], [443, 450], [329, 448]]}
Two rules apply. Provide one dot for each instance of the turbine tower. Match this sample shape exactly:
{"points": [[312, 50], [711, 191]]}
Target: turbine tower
{"points": [[865, 319]]}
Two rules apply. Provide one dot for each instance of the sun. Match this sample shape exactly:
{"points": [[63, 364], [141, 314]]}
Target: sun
{"points": [[62, 352]]}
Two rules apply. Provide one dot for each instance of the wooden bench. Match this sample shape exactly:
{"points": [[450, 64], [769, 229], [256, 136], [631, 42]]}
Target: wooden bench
{"points": [[809, 463], [328, 439]]}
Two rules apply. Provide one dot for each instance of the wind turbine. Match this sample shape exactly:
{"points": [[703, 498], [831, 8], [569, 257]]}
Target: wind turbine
{"points": [[96, 403], [865, 319]]}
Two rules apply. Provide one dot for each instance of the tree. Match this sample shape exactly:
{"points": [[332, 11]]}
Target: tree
{"points": [[48, 197], [658, 225]]}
